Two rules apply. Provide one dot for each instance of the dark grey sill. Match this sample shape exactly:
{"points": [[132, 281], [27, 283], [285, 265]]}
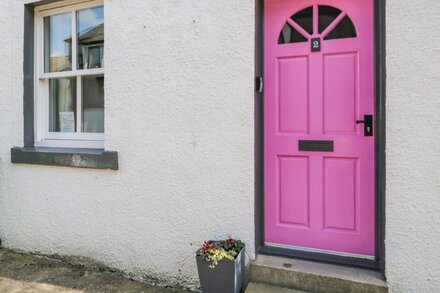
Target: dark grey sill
{"points": [[65, 157]]}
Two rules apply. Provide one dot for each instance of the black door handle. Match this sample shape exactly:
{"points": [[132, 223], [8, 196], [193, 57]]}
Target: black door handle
{"points": [[368, 124]]}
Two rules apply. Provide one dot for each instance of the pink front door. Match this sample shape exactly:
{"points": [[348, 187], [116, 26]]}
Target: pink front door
{"points": [[319, 162]]}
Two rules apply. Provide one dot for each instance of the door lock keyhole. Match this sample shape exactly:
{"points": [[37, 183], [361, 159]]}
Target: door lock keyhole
{"points": [[368, 124]]}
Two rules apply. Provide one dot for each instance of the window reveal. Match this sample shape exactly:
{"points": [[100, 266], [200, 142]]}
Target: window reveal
{"points": [[70, 79]]}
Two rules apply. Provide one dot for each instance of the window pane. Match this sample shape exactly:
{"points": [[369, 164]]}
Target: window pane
{"points": [[93, 104], [90, 27], [327, 15], [290, 35], [344, 29], [62, 105], [58, 43], [305, 19]]}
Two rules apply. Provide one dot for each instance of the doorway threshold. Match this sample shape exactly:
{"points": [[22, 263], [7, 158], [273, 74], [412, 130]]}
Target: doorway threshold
{"points": [[312, 276], [323, 256], [321, 251]]}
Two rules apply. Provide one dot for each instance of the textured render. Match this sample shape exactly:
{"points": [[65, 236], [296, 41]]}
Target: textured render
{"points": [[179, 111], [413, 146]]}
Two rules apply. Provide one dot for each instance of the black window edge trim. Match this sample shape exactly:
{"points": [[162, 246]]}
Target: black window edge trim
{"points": [[66, 157], [29, 154]]}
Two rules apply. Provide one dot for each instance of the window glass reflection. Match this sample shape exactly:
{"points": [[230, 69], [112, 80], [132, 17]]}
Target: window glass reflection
{"points": [[58, 43], [90, 28]]}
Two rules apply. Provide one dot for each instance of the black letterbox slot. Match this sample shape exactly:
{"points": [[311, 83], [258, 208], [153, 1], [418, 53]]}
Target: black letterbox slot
{"points": [[315, 145]]}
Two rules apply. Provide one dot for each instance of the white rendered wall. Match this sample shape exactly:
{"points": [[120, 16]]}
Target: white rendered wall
{"points": [[413, 146], [179, 110]]}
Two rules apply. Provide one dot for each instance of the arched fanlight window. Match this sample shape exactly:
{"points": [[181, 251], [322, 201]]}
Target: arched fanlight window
{"points": [[332, 24]]}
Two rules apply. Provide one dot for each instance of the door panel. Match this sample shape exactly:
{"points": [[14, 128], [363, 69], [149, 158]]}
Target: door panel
{"points": [[319, 200], [293, 94], [294, 191], [340, 92], [340, 200]]}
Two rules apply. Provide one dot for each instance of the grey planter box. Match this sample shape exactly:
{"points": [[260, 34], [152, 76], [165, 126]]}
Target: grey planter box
{"points": [[226, 277]]}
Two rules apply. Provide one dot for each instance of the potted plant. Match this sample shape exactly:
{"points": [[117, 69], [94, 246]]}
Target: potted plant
{"points": [[221, 266]]}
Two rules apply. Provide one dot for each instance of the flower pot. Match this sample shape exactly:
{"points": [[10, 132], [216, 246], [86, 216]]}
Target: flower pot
{"points": [[226, 277]]}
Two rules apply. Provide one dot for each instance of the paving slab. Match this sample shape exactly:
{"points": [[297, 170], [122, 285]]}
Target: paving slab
{"points": [[22, 273]]}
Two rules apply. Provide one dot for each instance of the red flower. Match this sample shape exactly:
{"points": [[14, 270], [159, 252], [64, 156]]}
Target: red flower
{"points": [[206, 245]]}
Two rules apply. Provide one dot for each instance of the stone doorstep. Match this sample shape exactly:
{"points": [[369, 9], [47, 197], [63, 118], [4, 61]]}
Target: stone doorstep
{"points": [[314, 277], [263, 288]]}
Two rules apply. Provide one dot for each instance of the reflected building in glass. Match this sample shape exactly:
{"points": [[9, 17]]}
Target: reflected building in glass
{"points": [[91, 48]]}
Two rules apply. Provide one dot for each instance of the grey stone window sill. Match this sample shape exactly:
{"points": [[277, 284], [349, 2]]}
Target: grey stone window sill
{"points": [[65, 157]]}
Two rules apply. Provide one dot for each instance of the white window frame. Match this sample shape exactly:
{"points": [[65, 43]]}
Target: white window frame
{"points": [[44, 138]]}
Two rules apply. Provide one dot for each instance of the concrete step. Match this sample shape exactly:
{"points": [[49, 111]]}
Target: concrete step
{"points": [[263, 288], [314, 277]]}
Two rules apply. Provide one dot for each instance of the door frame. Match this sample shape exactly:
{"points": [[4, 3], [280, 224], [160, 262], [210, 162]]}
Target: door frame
{"points": [[379, 127]]}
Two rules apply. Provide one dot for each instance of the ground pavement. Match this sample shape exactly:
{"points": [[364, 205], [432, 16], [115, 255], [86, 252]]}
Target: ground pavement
{"points": [[21, 273]]}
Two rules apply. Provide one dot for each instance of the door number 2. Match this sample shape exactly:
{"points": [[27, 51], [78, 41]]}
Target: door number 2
{"points": [[316, 44]]}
